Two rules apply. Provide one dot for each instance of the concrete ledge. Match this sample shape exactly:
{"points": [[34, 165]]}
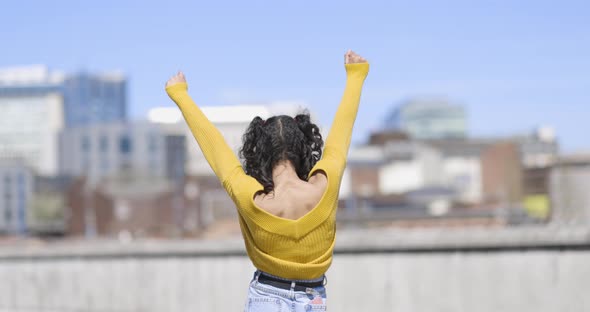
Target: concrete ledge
{"points": [[348, 242]]}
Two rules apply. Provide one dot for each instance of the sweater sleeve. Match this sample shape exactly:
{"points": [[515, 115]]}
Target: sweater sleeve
{"points": [[338, 140], [219, 155]]}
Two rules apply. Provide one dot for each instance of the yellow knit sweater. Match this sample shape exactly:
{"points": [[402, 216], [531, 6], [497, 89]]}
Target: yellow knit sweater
{"points": [[292, 249]]}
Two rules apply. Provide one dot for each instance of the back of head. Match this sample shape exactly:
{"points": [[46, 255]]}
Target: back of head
{"points": [[279, 138]]}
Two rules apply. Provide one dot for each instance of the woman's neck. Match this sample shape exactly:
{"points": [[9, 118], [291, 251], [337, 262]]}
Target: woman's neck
{"points": [[284, 172]]}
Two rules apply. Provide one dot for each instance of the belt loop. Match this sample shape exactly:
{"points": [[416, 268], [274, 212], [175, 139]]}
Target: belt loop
{"points": [[292, 291], [257, 275]]}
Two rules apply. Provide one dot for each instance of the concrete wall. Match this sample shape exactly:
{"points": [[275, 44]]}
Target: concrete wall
{"points": [[163, 278]]}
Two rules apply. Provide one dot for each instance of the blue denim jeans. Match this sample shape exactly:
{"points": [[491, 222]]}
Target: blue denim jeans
{"points": [[267, 298]]}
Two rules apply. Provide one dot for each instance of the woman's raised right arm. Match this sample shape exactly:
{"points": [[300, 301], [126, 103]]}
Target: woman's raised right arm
{"points": [[338, 140]]}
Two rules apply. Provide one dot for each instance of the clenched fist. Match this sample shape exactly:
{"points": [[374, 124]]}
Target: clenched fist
{"points": [[178, 78], [352, 58]]}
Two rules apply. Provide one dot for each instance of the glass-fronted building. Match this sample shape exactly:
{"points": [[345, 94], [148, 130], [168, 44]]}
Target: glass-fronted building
{"points": [[36, 104], [429, 119], [91, 99]]}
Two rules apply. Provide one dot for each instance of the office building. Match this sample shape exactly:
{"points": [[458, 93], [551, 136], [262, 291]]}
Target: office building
{"points": [[101, 150], [429, 119], [32, 115], [16, 189], [37, 103], [94, 98]]}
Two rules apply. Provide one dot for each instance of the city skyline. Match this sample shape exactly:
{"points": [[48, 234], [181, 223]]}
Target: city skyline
{"points": [[514, 66]]}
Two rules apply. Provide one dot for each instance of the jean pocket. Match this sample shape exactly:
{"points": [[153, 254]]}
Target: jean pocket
{"points": [[264, 305]]}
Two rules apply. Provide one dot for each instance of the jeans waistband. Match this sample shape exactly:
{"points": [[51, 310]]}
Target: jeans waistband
{"points": [[315, 280], [292, 291]]}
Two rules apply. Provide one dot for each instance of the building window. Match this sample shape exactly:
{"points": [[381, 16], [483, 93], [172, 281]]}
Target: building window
{"points": [[7, 188], [125, 145], [178, 171], [104, 144], [152, 142], [85, 144], [21, 203], [7, 207], [8, 214], [8, 196]]}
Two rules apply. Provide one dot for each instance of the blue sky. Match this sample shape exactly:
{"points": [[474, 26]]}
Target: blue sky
{"points": [[513, 64]]}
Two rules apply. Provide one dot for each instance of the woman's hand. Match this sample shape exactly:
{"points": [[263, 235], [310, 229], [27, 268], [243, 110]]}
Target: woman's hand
{"points": [[352, 58], [178, 78]]}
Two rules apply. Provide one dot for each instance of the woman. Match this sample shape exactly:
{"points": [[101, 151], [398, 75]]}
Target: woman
{"points": [[286, 193]]}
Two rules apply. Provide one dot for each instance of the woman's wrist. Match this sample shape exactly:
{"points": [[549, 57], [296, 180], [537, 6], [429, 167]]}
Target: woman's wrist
{"points": [[357, 69], [181, 86]]}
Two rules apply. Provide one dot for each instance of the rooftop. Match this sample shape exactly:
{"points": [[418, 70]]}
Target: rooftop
{"points": [[31, 74], [224, 114]]}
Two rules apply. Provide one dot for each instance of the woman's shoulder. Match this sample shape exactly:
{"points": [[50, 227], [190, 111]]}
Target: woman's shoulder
{"points": [[318, 180]]}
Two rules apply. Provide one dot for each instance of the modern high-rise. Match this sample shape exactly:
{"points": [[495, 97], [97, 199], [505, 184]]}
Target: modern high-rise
{"points": [[429, 119], [36, 104], [31, 106], [92, 99]]}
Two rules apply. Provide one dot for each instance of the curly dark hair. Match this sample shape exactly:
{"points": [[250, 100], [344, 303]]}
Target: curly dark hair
{"points": [[266, 142]]}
